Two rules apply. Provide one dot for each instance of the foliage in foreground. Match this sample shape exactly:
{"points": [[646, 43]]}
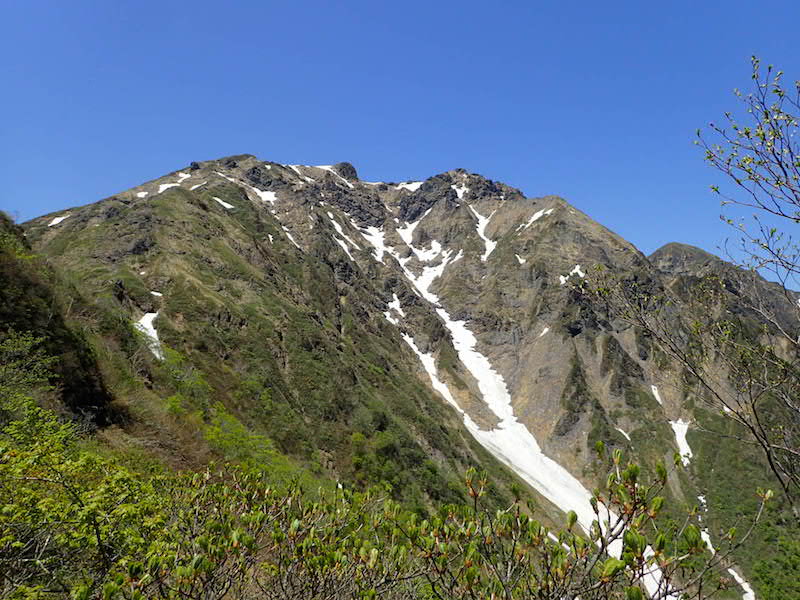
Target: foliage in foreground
{"points": [[75, 524]]}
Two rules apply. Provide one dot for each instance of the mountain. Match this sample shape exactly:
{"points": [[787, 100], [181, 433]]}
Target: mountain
{"points": [[369, 332]]}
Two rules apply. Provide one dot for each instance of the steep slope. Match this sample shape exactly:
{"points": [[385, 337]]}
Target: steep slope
{"points": [[387, 332], [34, 300], [291, 343]]}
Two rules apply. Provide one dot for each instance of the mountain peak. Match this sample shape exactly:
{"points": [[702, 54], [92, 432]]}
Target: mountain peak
{"points": [[682, 259]]}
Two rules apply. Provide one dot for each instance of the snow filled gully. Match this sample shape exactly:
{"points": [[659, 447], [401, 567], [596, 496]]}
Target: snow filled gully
{"points": [[510, 441], [513, 444]]}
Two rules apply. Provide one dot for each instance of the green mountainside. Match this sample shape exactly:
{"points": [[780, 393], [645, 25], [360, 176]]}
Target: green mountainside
{"points": [[330, 330]]}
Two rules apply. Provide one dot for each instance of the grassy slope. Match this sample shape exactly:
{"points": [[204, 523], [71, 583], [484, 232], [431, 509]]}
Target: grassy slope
{"points": [[276, 349]]}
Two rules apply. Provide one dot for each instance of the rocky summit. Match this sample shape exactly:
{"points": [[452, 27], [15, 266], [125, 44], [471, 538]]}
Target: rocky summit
{"points": [[365, 332]]}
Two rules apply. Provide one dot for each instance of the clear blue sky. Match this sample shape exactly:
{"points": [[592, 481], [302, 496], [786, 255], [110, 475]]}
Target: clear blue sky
{"points": [[594, 101]]}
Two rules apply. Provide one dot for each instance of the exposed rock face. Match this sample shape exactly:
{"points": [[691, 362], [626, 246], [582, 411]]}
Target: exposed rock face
{"points": [[458, 283], [346, 170]]}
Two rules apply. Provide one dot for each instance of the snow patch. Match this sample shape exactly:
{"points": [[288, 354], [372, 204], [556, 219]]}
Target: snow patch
{"points": [[411, 186], [460, 190], [627, 437], [157, 294], [374, 237], [481, 228], [681, 427], [520, 260], [271, 239], [344, 247], [576, 270], [165, 186], [289, 235], [57, 220], [395, 305], [223, 203], [536, 216], [145, 325], [428, 255], [748, 594], [707, 539], [656, 395], [265, 195], [341, 232], [199, 185], [407, 233], [182, 176], [141, 194]]}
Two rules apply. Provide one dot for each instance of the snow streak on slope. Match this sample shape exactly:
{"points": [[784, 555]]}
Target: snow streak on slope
{"points": [[748, 593], [341, 232], [510, 442], [656, 395], [411, 186], [681, 427], [344, 247], [481, 227], [536, 216], [223, 203], [57, 220], [289, 235], [145, 325], [395, 305], [374, 236], [429, 364]]}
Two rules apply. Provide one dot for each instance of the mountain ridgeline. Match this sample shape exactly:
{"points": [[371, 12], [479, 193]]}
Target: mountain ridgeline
{"points": [[339, 330]]}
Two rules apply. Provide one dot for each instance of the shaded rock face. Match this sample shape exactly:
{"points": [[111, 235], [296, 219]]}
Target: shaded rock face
{"points": [[346, 170], [338, 286]]}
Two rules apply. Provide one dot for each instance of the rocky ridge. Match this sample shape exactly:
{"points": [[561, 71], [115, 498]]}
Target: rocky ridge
{"points": [[464, 282]]}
